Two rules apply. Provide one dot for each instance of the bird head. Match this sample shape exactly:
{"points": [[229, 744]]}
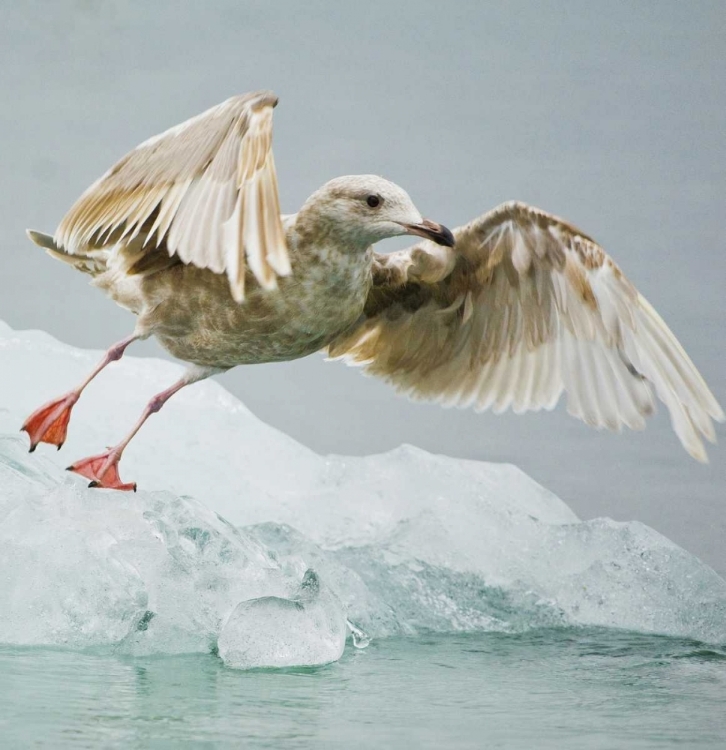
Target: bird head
{"points": [[364, 209]]}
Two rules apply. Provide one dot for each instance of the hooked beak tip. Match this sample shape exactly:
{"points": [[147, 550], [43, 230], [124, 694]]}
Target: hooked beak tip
{"points": [[440, 234]]}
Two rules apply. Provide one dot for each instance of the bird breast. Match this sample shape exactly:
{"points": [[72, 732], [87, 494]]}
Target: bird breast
{"points": [[192, 313]]}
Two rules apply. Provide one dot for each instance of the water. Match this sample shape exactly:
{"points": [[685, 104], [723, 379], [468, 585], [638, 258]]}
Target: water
{"points": [[546, 689]]}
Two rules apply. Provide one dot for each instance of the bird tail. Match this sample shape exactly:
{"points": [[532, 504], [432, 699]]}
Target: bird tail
{"points": [[85, 263]]}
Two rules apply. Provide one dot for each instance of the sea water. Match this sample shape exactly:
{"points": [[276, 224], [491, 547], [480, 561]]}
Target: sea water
{"points": [[558, 688]]}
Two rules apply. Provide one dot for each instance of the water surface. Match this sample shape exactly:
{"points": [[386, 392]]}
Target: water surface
{"points": [[549, 689]]}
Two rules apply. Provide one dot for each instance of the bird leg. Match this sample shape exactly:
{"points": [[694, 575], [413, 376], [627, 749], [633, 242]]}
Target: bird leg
{"points": [[49, 424], [102, 469]]}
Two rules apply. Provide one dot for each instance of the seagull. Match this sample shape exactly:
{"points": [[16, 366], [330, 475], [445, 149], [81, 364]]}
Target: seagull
{"points": [[509, 311]]}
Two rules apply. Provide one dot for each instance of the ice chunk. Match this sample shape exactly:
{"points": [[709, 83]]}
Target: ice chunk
{"points": [[407, 541], [430, 575], [308, 629], [360, 638], [146, 572]]}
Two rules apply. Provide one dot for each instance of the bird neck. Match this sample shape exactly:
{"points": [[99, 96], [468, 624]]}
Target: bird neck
{"points": [[313, 227], [330, 259]]}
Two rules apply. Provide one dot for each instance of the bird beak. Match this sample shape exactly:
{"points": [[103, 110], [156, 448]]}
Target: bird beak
{"points": [[431, 231]]}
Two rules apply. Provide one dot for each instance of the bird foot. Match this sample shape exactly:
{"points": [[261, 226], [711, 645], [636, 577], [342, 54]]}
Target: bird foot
{"points": [[102, 470], [49, 424]]}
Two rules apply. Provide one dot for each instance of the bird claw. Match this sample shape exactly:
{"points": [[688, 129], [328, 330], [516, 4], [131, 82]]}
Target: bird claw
{"points": [[49, 424], [102, 470]]}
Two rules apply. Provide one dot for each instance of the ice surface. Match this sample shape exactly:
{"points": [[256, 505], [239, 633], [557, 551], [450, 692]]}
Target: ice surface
{"points": [[428, 576], [146, 573], [307, 629], [401, 543]]}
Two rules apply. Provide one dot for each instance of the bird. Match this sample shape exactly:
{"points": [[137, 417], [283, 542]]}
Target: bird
{"points": [[511, 310]]}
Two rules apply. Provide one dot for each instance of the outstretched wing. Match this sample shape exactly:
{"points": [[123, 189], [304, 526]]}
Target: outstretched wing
{"points": [[206, 189], [524, 307]]}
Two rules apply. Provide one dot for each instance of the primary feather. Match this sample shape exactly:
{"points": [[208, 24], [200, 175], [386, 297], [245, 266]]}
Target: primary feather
{"points": [[524, 307], [206, 189]]}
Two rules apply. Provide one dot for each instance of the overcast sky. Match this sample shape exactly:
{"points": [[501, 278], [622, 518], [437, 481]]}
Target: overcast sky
{"points": [[611, 114]]}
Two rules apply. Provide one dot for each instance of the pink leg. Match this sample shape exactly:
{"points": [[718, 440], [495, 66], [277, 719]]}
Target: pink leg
{"points": [[102, 469], [49, 424]]}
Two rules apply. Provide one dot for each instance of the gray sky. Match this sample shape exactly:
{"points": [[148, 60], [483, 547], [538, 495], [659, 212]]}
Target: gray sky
{"points": [[612, 115]]}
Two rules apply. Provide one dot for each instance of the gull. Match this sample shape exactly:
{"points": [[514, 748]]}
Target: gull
{"points": [[509, 311]]}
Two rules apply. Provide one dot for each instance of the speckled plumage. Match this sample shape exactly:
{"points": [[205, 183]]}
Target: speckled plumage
{"points": [[192, 313], [185, 231]]}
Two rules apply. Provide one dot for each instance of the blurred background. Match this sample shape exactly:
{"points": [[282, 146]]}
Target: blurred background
{"points": [[612, 116]]}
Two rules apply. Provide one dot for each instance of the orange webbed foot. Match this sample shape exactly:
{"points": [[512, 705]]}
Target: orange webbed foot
{"points": [[49, 424], [102, 470]]}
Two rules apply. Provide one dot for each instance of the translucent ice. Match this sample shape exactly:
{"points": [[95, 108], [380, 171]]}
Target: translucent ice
{"points": [[147, 572], [427, 577], [406, 541], [307, 629]]}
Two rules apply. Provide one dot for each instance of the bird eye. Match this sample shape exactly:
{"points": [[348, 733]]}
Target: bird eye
{"points": [[373, 201]]}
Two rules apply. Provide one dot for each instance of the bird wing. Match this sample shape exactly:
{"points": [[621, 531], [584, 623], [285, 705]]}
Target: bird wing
{"points": [[206, 189], [523, 307]]}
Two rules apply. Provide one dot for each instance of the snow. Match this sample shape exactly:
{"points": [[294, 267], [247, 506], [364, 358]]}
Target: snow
{"points": [[245, 543]]}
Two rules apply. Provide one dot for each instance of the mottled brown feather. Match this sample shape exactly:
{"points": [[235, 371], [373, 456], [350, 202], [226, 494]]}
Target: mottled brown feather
{"points": [[206, 190], [524, 307]]}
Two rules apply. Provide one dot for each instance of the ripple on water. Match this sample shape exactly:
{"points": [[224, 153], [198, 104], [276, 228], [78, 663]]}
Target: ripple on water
{"points": [[555, 688]]}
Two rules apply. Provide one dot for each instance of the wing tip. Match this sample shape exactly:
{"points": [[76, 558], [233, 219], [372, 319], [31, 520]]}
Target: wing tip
{"points": [[698, 452], [261, 99], [41, 239]]}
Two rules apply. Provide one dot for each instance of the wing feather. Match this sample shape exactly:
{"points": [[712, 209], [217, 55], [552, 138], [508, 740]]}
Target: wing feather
{"points": [[206, 189], [524, 307]]}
